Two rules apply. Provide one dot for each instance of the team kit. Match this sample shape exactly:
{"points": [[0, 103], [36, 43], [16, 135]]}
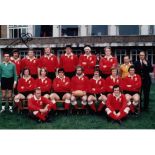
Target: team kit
{"points": [[78, 82]]}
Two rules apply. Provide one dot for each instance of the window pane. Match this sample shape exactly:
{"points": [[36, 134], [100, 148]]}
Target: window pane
{"points": [[99, 30], [128, 30], [37, 30], [153, 59], [15, 33], [10, 33], [23, 30], [150, 58], [46, 31], [69, 30], [149, 51]]}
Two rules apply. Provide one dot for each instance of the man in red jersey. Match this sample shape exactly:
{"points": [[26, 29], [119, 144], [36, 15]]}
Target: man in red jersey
{"points": [[97, 90], [25, 87], [116, 105], [30, 62], [17, 61], [44, 83], [61, 87], [107, 62], [50, 62], [79, 88], [68, 62], [39, 106], [131, 87], [88, 62], [113, 79]]}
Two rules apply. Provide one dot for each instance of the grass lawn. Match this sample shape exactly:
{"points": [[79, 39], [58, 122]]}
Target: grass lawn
{"points": [[146, 120]]}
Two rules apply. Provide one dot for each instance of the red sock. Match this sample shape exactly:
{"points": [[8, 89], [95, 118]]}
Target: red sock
{"points": [[122, 115], [54, 106], [132, 108], [67, 106], [92, 106], [19, 105], [40, 116], [101, 105], [76, 106], [113, 116], [83, 106]]}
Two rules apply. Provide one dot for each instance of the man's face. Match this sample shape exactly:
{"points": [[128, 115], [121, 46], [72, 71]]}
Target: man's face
{"points": [[79, 71], [68, 50], [61, 74], [47, 51], [107, 52], [132, 71], [142, 55], [114, 72], [43, 72], [96, 73], [26, 72], [15, 55], [116, 91], [6, 57], [126, 60], [87, 51], [38, 94], [30, 54]]}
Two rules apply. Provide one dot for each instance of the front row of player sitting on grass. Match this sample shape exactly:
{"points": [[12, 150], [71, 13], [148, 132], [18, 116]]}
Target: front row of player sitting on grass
{"points": [[96, 90]]}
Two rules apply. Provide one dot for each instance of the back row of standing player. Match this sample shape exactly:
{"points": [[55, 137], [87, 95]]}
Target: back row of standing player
{"points": [[68, 62]]}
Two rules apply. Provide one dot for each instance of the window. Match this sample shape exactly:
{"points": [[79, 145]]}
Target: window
{"points": [[15, 31], [99, 30], [0, 30], [128, 30], [150, 56], [134, 55], [69, 30], [151, 30], [43, 30], [120, 53]]}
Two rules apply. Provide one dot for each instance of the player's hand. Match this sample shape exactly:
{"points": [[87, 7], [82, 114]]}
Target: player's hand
{"points": [[114, 113], [110, 87], [128, 85], [14, 85], [145, 62], [43, 110], [118, 114], [84, 63], [104, 66]]}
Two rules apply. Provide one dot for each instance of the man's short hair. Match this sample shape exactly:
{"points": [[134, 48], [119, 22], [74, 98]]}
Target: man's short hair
{"points": [[37, 89], [77, 67], [143, 52], [24, 71], [15, 51], [68, 46], [97, 69], [61, 70], [30, 49], [6, 53], [87, 47], [131, 67], [43, 69], [107, 47], [116, 86]]}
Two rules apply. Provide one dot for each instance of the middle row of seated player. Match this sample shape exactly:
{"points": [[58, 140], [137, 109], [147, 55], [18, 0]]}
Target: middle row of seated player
{"points": [[90, 91]]}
